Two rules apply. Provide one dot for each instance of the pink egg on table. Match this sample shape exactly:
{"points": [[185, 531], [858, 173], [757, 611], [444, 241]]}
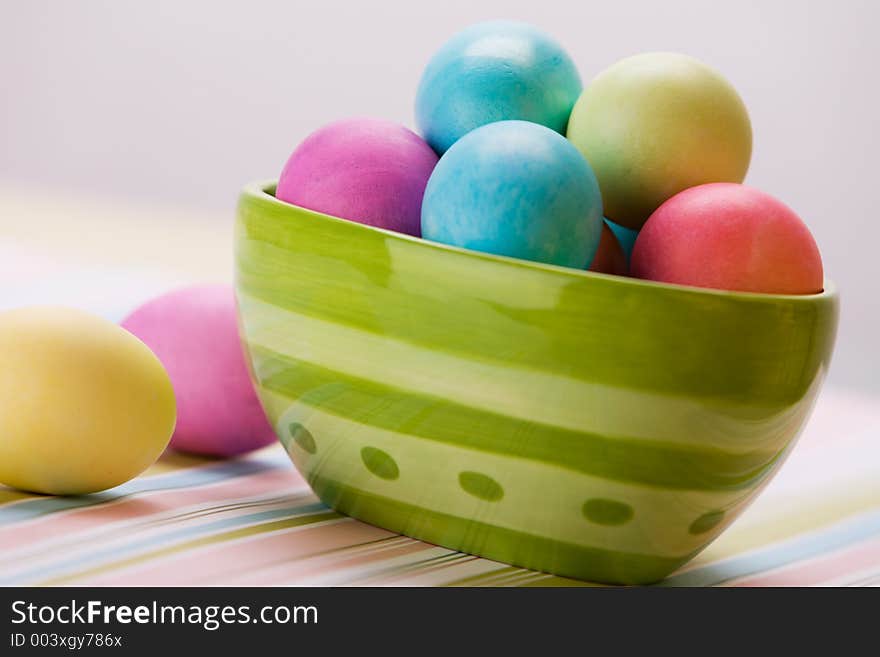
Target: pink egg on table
{"points": [[365, 170], [610, 257], [194, 333], [730, 237]]}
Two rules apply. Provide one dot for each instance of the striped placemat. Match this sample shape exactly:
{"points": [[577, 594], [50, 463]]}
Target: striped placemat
{"points": [[254, 521]]}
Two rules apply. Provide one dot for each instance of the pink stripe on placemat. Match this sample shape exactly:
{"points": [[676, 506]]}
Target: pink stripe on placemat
{"points": [[220, 563], [821, 569], [145, 505], [358, 557]]}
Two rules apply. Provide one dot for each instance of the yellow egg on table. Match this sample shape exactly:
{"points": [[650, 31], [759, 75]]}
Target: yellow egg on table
{"points": [[84, 405]]}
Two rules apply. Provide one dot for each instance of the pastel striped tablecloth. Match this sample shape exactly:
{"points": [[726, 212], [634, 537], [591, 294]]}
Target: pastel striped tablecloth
{"points": [[254, 521]]}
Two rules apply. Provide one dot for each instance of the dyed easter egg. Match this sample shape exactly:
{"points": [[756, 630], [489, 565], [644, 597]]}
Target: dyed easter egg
{"points": [[657, 123], [610, 257], [517, 189], [729, 237], [495, 71], [626, 237], [365, 170], [194, 332], [84, 405]]}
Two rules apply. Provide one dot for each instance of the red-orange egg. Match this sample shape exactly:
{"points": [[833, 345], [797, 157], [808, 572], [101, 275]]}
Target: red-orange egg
{"points": [[610, 257], [731, 237]]}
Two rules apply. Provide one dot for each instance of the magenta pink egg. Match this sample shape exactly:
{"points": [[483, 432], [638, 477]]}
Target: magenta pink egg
{"points": [[194, 332], [730, 237], [366, 170]]}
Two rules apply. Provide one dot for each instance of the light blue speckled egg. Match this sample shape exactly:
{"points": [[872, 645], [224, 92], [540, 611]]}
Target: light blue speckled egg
{"points": [[517, 189], [495, 71]]}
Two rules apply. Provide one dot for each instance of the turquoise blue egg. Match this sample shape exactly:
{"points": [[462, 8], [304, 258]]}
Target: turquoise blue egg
{"points": [[626, 237], [495, 71], [517, 189]]}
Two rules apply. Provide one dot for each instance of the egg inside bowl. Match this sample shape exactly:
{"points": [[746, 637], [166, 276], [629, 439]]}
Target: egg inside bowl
{"points": [[590, 426]]}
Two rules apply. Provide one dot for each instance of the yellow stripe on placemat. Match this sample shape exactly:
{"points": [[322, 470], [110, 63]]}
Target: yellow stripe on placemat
{"points": [[814, 513], [235, 534]]}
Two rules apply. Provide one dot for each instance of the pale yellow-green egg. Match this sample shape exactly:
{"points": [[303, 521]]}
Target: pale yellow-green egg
{"points": [[654, 124], [84, 405]]}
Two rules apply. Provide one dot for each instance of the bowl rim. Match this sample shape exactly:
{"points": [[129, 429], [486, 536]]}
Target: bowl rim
{"points": [[264, 191]]}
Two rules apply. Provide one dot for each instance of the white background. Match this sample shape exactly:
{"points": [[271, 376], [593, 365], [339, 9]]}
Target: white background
{"points": [[182, 102]]}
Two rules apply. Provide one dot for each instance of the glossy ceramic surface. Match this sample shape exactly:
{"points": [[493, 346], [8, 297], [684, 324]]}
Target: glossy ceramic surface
{"points": [[586, 425]]}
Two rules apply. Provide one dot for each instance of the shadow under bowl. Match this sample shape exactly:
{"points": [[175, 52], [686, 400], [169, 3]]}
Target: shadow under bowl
{"points": [[590, 426]]}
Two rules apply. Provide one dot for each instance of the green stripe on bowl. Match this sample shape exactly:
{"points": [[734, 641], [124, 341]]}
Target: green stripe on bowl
{"points": [[512, 492], [518, 392], [756, 349], [513, 547], [612, 457]]}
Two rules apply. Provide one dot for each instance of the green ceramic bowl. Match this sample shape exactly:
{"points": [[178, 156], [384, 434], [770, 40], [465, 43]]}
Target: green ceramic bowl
{"points": [[585, 425]]}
